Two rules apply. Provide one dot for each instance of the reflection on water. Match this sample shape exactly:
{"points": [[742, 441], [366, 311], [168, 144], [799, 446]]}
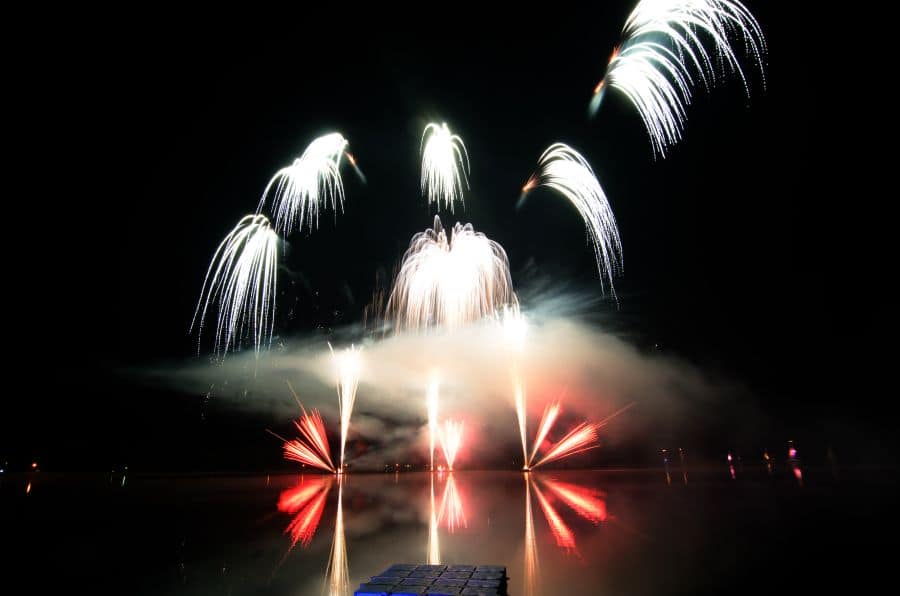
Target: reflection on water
{"points": [[612, 532]]}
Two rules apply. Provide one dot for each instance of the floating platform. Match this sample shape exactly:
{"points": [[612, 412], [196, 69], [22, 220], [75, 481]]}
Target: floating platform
{"points": [[405, 579]]}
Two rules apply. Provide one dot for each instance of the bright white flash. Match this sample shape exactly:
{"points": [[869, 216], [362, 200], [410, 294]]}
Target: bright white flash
{"points": [[241, 281], [302, 188], [449, 281], [665, 52], [563, 169], [445, 166]]}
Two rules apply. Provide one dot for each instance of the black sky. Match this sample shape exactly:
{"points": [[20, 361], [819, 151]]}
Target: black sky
{"points": [[139, 144]]}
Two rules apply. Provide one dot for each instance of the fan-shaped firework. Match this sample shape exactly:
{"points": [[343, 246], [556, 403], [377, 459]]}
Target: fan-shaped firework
{"points": [[664, 44], [312, 449], [445, 166], [241, 280], [451, 440], [300, 189], [450, 281], [563, 169], [349, 365]]}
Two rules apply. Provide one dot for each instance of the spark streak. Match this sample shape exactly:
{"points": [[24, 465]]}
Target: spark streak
{"points": [[431, 399], [452, 507], [348, 363], [307, 501], [313, 180], [550, 414], [338, 571], [434, 548], [586, 502], [564, 170], [445, 166], [241, 279], [581, 438], [563, 534]]}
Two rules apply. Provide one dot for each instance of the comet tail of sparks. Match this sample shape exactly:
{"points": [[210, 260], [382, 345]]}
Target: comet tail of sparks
{"points": [[550, 414], [581, 438], [348, 363], [314, 179], [564, 170], [445, 166], [450, 280], [451, 439], [337, 574], [664, 43], [431, 403], [241, 281], [312, 448]]}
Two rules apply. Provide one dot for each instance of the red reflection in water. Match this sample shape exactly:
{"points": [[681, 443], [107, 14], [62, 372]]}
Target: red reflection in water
{"points": [[307, 501], [589, 503], [564, 536], [452, 507]]}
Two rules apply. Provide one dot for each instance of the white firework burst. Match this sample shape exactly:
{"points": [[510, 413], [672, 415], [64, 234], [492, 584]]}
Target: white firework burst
{"points": [[445, 166], [301, 189], [450, 280], [563, 169], [241, 281], [665, 42]]}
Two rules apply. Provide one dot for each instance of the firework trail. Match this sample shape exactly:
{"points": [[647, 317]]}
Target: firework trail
{"points": [[348, 363], [307, 502], [241, 280], [434, 548], [431, 403], [514, 329], [550, 414], [564, 170], [452, 507], [664, 44], [581, 438], [314, 179], [449, 281], [337, 573], [451, 439], [445, 166]]}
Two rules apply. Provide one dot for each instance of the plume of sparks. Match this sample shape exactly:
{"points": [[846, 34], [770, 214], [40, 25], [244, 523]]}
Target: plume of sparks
{"points": [[445, 166], [451, 439], [551, 412], [564, 170], [449, 281], [581, 438], [337, 573], [300, 189], [664, 54], [434, 547], [431, 403], [311, 448], [521, 416], [452, 507], [348, 363], [306, 502], [241, 281]]}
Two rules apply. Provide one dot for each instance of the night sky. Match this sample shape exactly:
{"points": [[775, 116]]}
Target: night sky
{"points": [[140, 145]]}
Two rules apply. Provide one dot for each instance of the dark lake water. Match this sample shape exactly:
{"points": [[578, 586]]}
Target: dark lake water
{"points": [[572, 532]]}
